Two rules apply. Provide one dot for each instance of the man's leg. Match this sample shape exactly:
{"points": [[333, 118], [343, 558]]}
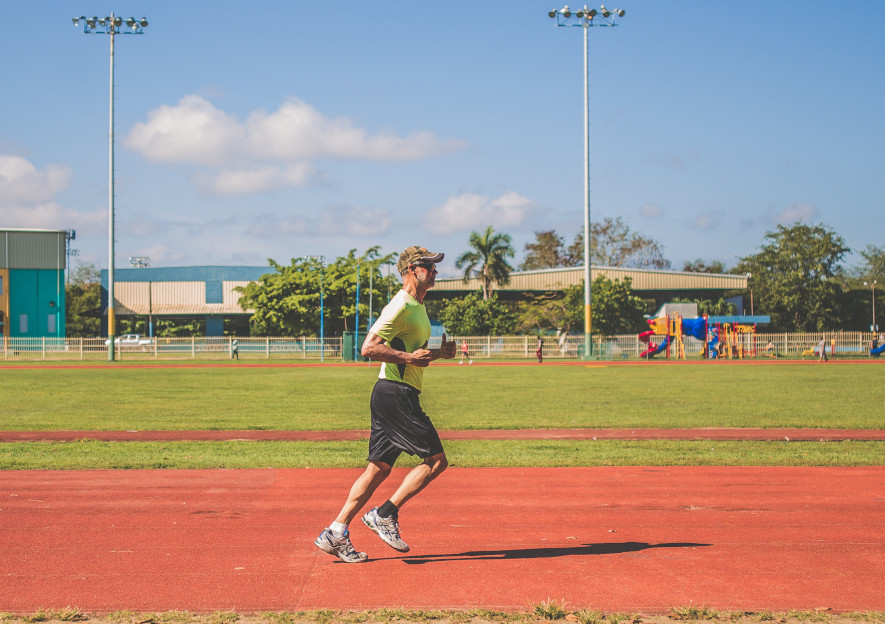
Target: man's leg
{"points": [[384, 520], [362, 490], [418, 478], [335, 539]]}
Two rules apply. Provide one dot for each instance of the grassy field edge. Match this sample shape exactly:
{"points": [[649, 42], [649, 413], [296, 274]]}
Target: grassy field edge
{"points": [[92, 454], [545, 611]]}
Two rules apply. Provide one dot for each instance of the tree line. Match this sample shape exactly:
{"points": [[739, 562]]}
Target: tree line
{"points": [[798, 278]]}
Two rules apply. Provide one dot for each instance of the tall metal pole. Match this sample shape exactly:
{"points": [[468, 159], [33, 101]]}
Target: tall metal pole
{"points": [[587, 278], [111, 25], [111, 317], [586, 18]]}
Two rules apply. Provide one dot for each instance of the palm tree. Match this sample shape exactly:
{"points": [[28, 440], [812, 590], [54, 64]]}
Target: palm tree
{"points": [[488, 259]]}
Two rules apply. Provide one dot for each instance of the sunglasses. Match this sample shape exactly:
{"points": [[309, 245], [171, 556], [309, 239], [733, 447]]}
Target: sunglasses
{"points": [[426, 266]]}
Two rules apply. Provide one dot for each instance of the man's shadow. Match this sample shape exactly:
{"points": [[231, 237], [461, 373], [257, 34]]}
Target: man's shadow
{"points": [[549, 552]]}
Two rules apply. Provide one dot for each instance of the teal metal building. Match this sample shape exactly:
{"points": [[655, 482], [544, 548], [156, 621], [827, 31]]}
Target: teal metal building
{"points": [[32, 283]]}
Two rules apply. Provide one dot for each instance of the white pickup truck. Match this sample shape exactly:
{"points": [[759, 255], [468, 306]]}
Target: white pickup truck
{"points": [[131, 340]]}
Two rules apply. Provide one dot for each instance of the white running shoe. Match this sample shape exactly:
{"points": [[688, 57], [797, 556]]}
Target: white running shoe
{"points": [[339, 547], [386, 528]]}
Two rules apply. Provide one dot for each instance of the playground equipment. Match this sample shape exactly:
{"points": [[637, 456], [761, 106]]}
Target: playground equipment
{"points": [[735, 340], [673, 329], [727, 337]]}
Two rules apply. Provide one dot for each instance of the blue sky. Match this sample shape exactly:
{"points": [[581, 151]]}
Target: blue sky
{"points": [[248, 131]]}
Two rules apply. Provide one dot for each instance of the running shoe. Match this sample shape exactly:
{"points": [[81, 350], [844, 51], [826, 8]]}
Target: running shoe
{"points": [[386, 528], [339, 547]]}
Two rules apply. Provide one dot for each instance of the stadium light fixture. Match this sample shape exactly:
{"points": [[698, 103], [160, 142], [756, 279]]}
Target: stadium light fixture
{"points": [[586, 18], [110, 25]]}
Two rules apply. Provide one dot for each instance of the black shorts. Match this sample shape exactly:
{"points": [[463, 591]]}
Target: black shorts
{"points": [[399, 425]]}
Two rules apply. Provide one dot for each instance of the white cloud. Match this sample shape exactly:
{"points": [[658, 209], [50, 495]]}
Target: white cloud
{"points": [[794, 213], [299, 131], [27, 198], [193, 131], [471, 211], [652, 211], [22, 184], [53, 216], [267, 150], [356, 221], [255, 180]]}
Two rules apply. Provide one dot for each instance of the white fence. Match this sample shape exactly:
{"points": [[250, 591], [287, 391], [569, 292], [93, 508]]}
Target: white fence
{"points": [[624, 347], [303, 348]]}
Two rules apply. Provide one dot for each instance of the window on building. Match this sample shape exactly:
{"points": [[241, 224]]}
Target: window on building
{"points": [[23, 323], [50, 326], [1, 284]]}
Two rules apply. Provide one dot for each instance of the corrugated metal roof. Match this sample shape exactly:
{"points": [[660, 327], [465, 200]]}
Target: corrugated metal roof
{"points": [[643, 279]]}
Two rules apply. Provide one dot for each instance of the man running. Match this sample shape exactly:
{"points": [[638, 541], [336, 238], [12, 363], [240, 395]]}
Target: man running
{"points": [[399, 340]]}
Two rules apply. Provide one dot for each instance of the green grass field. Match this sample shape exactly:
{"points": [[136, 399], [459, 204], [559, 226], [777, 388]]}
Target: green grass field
{"points": [[456, 397]]}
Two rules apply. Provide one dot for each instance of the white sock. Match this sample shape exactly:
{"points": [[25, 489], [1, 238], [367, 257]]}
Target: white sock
{"points": [[338, 528]]}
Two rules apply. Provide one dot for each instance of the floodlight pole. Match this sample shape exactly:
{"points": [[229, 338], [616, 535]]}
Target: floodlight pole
{"points": [[586, 18], [112, 26]]}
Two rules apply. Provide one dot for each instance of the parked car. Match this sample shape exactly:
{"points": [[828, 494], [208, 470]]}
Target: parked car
{"points": [[131, 340]]}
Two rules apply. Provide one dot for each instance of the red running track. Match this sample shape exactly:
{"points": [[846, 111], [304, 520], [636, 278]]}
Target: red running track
{"points": [[618, 539]]}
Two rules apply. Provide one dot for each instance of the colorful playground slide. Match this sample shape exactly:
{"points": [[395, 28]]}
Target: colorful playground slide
{"points": [[653, 348], [879, 351]]}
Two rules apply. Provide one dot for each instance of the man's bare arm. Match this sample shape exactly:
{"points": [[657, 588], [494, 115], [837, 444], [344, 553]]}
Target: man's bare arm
{"points": [[375, 349]]}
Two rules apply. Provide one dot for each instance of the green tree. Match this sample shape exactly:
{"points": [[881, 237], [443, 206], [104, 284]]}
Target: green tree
{"points": [[861, 282], [559, 313], [796, 276], [341, 293], [487, 260], [700, 266], [874, 264], [614, 307], [613, 244], [285, 302], [288, 302], [83, 302], [476, 315], [547, 252]]}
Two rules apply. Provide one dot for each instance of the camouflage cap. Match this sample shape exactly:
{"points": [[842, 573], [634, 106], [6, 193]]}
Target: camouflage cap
{"points": [[417, 254]]}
